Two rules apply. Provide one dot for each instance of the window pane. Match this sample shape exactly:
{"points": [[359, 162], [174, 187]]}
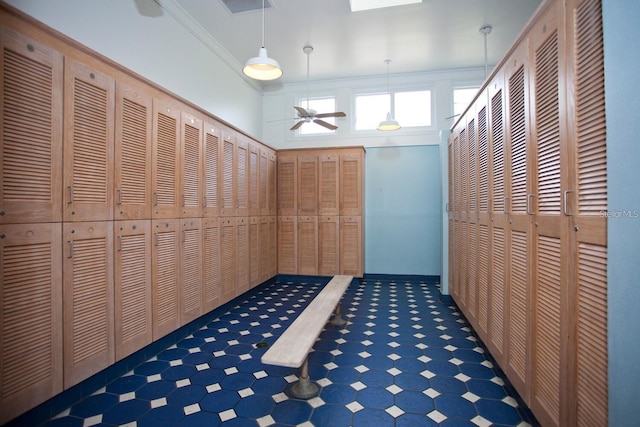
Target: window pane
{"points": [[413, 108], [462, 98], [371, 110], [321, 105]]}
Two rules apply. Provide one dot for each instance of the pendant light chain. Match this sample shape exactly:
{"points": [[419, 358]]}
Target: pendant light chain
{"points": [[262, 23]]}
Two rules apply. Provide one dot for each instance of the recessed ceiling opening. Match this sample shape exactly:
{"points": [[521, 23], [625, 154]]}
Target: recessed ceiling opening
{"points": [[359, 5], [242, 6]]}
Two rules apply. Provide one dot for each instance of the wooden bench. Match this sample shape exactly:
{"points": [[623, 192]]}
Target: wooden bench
{"points": [[292, 348]]}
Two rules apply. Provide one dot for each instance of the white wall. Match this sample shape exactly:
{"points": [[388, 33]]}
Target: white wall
{"points": [[160, 49]]}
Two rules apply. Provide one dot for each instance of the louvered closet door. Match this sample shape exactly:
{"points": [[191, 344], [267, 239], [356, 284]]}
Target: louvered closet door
{"points": [[550, 249], [272, 186], [498, 228], [165, 270], [329, 179], [287, 185], [191, 277], [211, 180], [133, 311], [30, 315], [228, 258], [212, 286], [351, 182], [88, 299], [263, 183], [483, 218], [134, 112], [31, 156], [228, 167], [242, 255], [470, 159], [192, 176], [463, 224], [287, 245], [455, 213], [329, 245], [307, 240], [166, 159], [254, 251], [450, 213], [518, 256], [308, 185], [273, 246], [587, 210], [255, 180], [89, 112], [242, 177], [265, 247], [351, 246]]}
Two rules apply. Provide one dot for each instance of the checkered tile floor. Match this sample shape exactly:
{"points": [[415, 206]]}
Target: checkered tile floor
{"points": [[403, 359]]}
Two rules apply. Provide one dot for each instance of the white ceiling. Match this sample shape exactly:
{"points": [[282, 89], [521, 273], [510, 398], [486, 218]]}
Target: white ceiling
{"points": [[429, 36]]}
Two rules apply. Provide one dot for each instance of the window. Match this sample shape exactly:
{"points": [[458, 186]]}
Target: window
{"points": [[410, 109], [320, 105], [462, 97]]}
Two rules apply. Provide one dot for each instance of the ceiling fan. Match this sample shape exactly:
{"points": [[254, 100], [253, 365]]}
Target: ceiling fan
{"points": [[308, 115]]}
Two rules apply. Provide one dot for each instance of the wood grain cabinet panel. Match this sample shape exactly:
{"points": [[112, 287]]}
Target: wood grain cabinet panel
{"points": [[351, 246], [287, 245], [212, 286], [328, 245], [254, 176], [307, 245], [31, 348], [191, 175], [132, 283], [228, 258], [241, 172], [89, 112], [134, 113], [229, 174], [30, 156], [166, 158], [88, 299], [307, 185], [243, 261], [166, 271], [211, 160], [255, 247], [351, 182], [329, 184], [191, 278], [287, 185]]}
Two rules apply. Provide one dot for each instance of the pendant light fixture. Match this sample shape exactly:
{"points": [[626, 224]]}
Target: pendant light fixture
{"points": [[390, 123], [262, 67]]}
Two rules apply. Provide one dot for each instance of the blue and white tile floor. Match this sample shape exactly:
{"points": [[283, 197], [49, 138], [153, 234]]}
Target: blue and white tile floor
{"points": [[403, 359]]}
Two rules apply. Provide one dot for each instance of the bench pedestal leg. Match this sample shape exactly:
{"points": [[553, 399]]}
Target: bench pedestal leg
{"points": [[337, 319], [305, 388]]}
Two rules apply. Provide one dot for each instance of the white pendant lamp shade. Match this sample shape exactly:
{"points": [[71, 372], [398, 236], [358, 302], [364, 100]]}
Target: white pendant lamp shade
{"points": [[389, 124], [262, 67]]}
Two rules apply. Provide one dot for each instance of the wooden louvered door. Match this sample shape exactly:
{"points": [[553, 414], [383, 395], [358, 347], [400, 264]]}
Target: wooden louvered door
{"points": [[549, 321], [242, 255], [134, 108], [329, 179], [498, 229], [454, 183], [88, 299], [31, 347], [287, 185], [191, 237], [254, 251], [463, 225], [242, 177], [228, 177], [254, 176], [518, 291], [273, 245], [272, 183], [132, 283], [265, 247], [89, 101], [212, 285], [351, 182], [165, 271], [228, 258], [191, 174], [211, 180], [307, 242], [483, 219], [587, 209], [470, 160], [287, 245], [307, 185], [351, 262], [30, 156], [166, 159], [263, 182], [328, 245], [450, 207]]}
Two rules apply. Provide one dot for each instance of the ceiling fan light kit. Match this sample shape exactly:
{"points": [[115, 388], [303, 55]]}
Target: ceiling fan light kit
{"points": [[262, 67], [390, 123]]}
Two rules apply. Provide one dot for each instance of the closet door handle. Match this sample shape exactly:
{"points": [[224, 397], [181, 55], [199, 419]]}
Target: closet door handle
{"points": [[119, 243], [565, 203], [70, 243], [529, 197], [504, 205], [70, 188], [119, 192]]}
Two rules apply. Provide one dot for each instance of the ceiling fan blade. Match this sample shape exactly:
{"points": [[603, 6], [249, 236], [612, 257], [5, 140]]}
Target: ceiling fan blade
{"points": [[336, 114], [325, 124], [297, 125], [301, 112], [283, 120]]}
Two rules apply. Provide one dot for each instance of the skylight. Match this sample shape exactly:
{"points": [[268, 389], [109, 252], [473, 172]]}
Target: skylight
{"points": [[359, 5]]}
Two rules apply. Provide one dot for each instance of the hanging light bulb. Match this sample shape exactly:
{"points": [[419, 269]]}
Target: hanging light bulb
{"points": [[262, 67], [390, 123]]}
